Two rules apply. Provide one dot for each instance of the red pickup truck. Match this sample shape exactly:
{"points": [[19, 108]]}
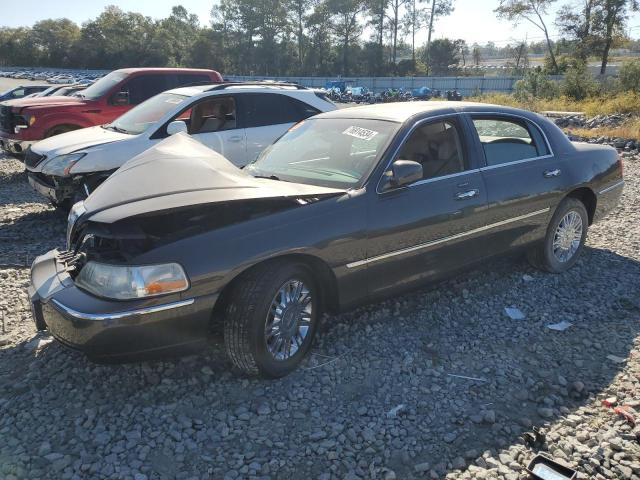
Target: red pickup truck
{"points": [[24, 122]]}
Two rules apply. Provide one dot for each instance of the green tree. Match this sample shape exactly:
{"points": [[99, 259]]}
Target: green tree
{"points": [[56, 40], [629, 76], [345, 25], [443, 56], [533, 11], [439, 8]]}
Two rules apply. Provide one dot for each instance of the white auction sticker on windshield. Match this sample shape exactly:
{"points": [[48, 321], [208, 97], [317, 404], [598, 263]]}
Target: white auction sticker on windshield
{"points": [[361, 133]]}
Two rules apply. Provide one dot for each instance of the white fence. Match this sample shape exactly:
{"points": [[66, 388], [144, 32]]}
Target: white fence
{"points": [[465, 85]]}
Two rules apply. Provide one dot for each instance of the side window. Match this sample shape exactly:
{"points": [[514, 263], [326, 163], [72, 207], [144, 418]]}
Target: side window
{"points": [[438, 147], [189, 79], [143, 87], [509, 140], [18, 93], [213, 115], [264, 109]]}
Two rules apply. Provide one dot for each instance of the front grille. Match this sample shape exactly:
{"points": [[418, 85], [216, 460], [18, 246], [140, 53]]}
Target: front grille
{"points": [[7, 121], [33, 159]]}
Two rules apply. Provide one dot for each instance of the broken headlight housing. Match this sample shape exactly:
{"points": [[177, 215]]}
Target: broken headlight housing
{"points": [[61, 165], [76, 212], [126, 282]]}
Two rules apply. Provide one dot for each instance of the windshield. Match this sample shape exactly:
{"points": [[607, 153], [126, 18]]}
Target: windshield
{"points": [[103, 85], [327, 152], [140, 118]]}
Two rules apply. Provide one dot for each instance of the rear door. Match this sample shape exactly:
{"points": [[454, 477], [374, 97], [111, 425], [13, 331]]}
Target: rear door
{"points": [[269, 115], [427, 228], [523, 177]]}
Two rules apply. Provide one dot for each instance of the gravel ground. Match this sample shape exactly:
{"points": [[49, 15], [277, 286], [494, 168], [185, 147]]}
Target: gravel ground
{"points": [[379, 398]]}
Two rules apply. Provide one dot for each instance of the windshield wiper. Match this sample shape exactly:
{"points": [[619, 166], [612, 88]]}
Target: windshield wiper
{"points": [[116, 129], [269, 177]]}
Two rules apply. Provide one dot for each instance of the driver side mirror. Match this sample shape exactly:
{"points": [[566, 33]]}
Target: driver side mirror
{"points": [[402, 173], [176, 126], [120, 98]]}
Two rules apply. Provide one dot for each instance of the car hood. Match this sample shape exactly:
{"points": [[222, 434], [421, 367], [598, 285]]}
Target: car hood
{"points": [[77, 140], [180, 172], [45, 101]]}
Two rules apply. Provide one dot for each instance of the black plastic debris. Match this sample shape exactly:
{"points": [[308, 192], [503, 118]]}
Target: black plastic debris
{"points": [[545, 468]]}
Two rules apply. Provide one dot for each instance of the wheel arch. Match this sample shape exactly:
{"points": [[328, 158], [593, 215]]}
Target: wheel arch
{"points": [[319, 269], [588, 198], [67, 126]]}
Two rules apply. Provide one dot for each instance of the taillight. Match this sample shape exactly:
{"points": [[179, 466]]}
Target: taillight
{"points": [[621, 165]]}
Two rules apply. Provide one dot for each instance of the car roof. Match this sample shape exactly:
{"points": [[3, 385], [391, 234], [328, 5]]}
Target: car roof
{"points": [[193, 90], [164, 69], [403, 111]]}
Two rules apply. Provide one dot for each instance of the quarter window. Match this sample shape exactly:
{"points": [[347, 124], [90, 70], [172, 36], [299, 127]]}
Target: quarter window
{"points": [[437, 147], [507, 141], [264, 109]]}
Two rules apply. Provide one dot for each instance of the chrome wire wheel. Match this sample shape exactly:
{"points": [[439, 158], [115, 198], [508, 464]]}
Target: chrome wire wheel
{"points": [[288, 320], [567, 237]]}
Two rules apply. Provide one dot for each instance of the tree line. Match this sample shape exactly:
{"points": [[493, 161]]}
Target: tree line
{"points": [[313, 37]]}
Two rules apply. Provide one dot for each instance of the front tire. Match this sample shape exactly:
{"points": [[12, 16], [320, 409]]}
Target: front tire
{"points": [[271, 318], [565, 238]]}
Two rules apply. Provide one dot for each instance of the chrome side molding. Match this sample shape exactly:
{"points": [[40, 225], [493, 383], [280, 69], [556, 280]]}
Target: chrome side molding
{"points": [[612, 187], [97, 317], [432, 243]]}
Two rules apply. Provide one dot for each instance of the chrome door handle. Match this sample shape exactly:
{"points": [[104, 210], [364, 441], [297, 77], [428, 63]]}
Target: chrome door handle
{"points": [[235, 138], [552, 173], [469, 194]]}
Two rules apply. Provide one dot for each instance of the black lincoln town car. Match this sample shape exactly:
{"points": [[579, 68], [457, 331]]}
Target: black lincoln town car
{"points": [[347, 207]]}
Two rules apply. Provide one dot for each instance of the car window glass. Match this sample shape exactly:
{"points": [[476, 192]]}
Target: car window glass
{"points": [[321, 152], [213, 115], [18, 93], [142, 117], [142, 87], [189, 79], [437, 147], [507, 140], [264, 109]]}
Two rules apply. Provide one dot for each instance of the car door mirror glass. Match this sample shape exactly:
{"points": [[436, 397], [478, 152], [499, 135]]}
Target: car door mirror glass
{"points": [[176, 126], [402, 173], [120, 98]]}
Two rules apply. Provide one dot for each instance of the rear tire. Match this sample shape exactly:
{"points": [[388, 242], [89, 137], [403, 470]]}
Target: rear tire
{"points": [[564, 240], [253, 327]]}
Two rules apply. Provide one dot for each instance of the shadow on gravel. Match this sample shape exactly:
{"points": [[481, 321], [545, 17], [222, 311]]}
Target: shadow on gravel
{"points": [[37, 225], [332, 415]]}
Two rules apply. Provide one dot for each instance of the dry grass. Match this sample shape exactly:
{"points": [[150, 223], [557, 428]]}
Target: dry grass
{"points": [[630, 129], [604, 105]]}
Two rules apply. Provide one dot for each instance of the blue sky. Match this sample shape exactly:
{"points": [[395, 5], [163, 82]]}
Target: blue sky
{"points": [[472, 20]]}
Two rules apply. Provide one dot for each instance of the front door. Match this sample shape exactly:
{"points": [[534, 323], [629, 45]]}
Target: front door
{"points": [[427, 228], [215, 123]]}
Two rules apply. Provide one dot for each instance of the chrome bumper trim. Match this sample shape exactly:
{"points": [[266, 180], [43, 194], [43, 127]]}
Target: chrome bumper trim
{"points": [[446, 239], [612, 187], [118, 315]]}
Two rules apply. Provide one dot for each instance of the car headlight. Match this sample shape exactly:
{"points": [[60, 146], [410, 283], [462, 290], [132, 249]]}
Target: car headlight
{"points": [[62, 164], [76, 212], [123, 282]]}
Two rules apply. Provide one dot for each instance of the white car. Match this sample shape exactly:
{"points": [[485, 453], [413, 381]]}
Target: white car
{"points": [[236, 120]]}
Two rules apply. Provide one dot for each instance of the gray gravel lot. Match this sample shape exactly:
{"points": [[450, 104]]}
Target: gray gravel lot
{"points": [[376, 399]]}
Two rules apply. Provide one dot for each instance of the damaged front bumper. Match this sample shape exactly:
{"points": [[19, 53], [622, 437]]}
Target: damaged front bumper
{"points": [[109, 330]]}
